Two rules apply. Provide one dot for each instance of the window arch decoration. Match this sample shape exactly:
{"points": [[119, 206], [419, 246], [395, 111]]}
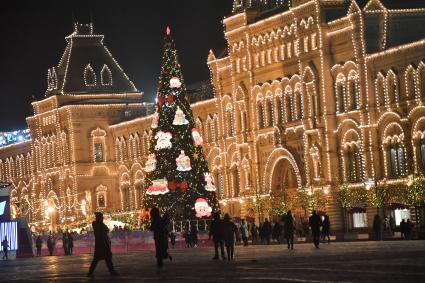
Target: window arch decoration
{"points": [[279, 107], [351, 155], [230, 120], [418, 142], [353, 90], [89, 76], [105, 75], [420, 75], [340, 93], [298, 102], [380, 91], [260, 111], [102, 196], [269, 109], [410, 78], [394, 150], [289, 104], [392, 87]]}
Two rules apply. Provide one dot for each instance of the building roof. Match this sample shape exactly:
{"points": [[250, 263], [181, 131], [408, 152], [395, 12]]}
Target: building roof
{"points": [[87, 66]]}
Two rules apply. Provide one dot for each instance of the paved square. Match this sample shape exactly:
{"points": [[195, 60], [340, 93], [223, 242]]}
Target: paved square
{"points": [[395, 261]]}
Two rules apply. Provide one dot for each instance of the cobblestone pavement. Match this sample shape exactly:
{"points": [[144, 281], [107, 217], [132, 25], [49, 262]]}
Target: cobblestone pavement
{"points": [[395, 261]]}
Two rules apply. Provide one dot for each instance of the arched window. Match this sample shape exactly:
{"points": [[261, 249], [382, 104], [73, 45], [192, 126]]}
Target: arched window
{"points": [[89, 76], [289, 104], [269, 111], [235, 179], [106, 76], [410, 83], [397, 162], [229, 124], [353, 92], [379, 90], [353, 165], [421, 78], [219, 184], [260, 114], [279, 110], [340, 94], [299, 103], [392, 87]]}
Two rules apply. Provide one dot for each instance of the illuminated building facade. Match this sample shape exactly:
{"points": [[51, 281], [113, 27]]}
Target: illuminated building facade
{"points": [[311, 94]]}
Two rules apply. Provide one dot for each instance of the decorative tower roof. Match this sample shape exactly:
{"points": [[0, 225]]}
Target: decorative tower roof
{"points": [[87, 67]]}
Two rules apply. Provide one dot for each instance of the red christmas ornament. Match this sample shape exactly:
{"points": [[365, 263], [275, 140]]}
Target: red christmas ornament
{"points": [[183, 186], [168, 30], [160, 100], [170, 98], [172, 185]]}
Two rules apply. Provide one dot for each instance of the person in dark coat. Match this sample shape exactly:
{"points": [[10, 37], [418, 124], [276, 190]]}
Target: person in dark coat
{"points": [[403, 229], [38, 245], [216, 232], [377, 227], [409, 229], [102, 246], [277, 231], [5, 247], [65, 243], [159, 227], [172, 238], [315, 223], [267, 231], [254, 233], [261, 233], [230, 231], [51, 242], [326, 229], [193, 236], [289, 229], [70, 243]]}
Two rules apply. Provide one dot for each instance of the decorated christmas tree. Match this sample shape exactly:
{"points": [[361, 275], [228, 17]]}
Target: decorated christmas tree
{"points": [[177, 177]]}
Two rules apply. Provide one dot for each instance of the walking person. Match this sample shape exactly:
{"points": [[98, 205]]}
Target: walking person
{"points": [[172, 238], [289, 229], [216, 232], [392, 225], [254, 233], [377, 227], [326, 229], [159, 227], [315, 223], [102, 246], [70, 243], [5, 247], [267, 231], [409, 229], [277, 231], [65, 243], [194, 236], [229, 234], [403, 229], [38, 245], [244, 232], [51, 243]]}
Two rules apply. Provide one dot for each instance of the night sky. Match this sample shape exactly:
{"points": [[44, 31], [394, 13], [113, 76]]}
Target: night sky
{"points": [[33, 39]]}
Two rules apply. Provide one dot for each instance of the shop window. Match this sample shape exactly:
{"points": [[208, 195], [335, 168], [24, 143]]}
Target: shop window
{"points": [[400, 214], [359, 220]]}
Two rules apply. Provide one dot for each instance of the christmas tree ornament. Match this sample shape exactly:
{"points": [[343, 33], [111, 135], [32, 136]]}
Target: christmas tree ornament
{"points": [[163, 140], [160, 100], [158, 187], [197, 139], [154, 124], [170, 99], [183, 185], [202, 208], [195, 156], [180, 118], [209, 182], [172, 186], [175, 82], [183, 162], [150, 165]]}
